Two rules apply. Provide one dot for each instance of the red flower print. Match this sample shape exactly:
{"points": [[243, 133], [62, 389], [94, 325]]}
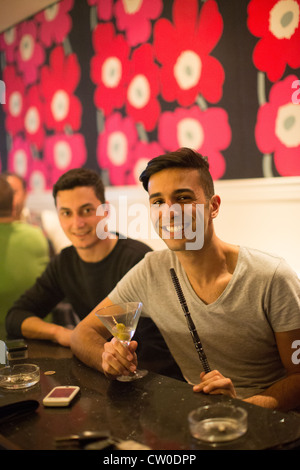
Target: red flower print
{"points": [[183, 50], [197, 129], [109, 68], [38, 180], [276, 22], [115, 147], [33, 118], [8, 43], [104, 8], [133, 16], [63, 152], [30, 54], [278, 128], [143, 87], [14, 106], [20, 158], [58, 82], [55, 22], [142, 153]]}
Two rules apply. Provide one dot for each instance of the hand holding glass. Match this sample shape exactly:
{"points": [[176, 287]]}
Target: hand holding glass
{"points": [[121, 320]]}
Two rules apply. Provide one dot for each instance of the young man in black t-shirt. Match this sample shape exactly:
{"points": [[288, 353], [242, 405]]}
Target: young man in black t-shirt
{"points": [[83, 273]]}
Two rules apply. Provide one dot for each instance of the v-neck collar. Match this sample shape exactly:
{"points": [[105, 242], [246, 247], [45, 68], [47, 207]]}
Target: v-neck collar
{"points": [[225, 292]]}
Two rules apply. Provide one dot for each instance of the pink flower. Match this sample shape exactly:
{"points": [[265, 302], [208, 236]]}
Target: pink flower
{"points": [[184, 48], [109, 68], [135, 18], [20, 158], [30, 54], [55, 22], [63, 152], [14, 106], [115, 148], [39, 180], [8, 43], [58, 83], [278, 128], [142, 103], [142, 153], [207, 132], [104, 8], [33, 118], [277, 24]]}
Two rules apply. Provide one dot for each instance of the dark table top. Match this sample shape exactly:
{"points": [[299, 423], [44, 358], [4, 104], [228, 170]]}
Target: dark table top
{"points": [[152, 411]]}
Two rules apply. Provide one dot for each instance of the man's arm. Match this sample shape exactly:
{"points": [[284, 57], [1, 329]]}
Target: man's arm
{"points": [[89, 344], [36, 328], [283, 395]]}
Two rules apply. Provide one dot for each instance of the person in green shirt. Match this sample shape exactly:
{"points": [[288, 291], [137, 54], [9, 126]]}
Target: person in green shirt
{"points": [[24, 252]]}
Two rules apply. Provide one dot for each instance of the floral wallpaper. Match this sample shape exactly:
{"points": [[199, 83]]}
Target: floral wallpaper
{"points": [[109, 84]]}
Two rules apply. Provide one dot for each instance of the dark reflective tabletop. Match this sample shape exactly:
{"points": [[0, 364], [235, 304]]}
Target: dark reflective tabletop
{"points": [[152, 411]]}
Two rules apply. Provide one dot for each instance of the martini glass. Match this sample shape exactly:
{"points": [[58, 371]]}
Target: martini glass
{"points": [[121, 321]]}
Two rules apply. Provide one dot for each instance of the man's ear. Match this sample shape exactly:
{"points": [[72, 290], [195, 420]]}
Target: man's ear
{"points": [[214, 204]]}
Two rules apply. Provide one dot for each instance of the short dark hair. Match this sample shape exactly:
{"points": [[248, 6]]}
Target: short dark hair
{"points": [[80, 177], [6, 197], [181, 158]]}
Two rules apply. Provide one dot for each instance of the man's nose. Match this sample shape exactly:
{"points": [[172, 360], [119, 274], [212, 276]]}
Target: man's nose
{"points": [[78, 221]]}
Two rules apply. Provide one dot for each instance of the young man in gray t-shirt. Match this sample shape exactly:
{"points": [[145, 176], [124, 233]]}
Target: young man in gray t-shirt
{"points": [[245, 304]]}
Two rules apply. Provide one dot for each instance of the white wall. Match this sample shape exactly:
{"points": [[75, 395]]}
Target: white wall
{"points": [[262, 213]]}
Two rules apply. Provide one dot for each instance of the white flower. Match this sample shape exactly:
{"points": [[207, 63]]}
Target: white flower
{"points": [[51, 12], [187, 69], [138, 93], [190, 133], [15, 103], [117, 148], [287, 125], [284, 19], [26, 47], [132, 6], [62, 154], [32, 120], [20, 162], [60, 105], [111, 72], [37, 181], [10, 36]]}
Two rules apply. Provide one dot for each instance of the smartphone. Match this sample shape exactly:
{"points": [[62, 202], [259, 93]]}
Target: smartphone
{"points": [[16, 349], [61, 396]]}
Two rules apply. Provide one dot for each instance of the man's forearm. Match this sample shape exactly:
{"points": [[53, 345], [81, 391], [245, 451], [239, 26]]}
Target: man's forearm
{"points": [[36, 328], [284, 395], [88, 346]]}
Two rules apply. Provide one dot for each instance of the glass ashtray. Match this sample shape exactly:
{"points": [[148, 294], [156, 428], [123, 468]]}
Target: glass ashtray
{"points": [[218, 422], [19, 376]]}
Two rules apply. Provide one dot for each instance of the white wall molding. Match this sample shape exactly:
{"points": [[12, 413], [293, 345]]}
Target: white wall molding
{"points": [[260, 213]]}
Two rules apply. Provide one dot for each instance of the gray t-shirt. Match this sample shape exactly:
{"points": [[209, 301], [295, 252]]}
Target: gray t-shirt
{"points": [[236, 331]]}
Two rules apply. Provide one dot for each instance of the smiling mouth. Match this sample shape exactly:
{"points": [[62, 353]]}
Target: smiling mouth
{"points": [[179, 230], [173, 228], [80, 234]]}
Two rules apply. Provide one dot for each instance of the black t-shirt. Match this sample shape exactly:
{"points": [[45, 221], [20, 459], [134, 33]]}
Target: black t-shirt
{"points": [[84, 285]]}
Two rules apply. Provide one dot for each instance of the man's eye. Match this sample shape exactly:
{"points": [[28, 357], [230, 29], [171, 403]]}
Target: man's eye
{"points": [[157, 203], [183, 198]]}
